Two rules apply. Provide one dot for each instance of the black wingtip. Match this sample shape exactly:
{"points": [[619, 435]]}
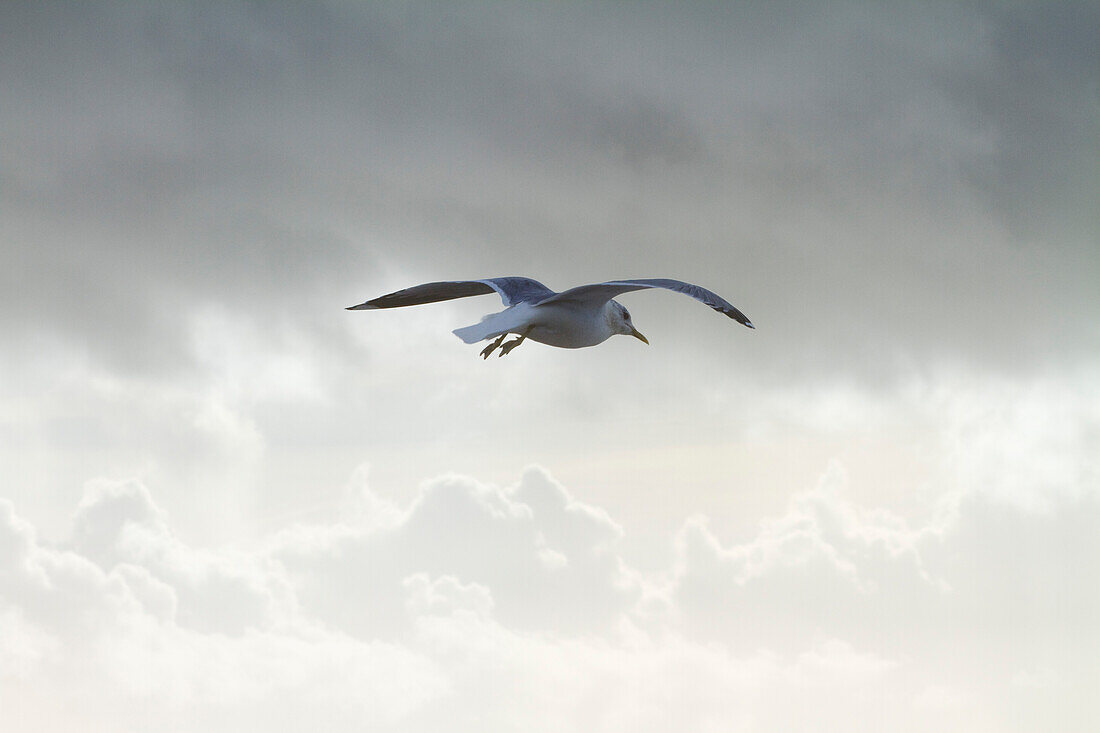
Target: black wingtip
{"points": [[361, 307], [735, 315]]}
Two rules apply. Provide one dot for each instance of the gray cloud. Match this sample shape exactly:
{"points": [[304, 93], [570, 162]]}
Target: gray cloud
{"points": [[848, 176]]}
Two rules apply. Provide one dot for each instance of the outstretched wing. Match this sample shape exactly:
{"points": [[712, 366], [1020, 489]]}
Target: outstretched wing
{"points": [[512, 290], [600, 293]]}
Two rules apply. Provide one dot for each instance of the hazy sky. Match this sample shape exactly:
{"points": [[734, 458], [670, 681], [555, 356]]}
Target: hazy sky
{"points": [[226, 503]]}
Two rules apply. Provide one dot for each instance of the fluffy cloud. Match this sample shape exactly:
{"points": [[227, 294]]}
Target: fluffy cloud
{"points": [[152, 629], [485, 608], [530, 541], [826, 567]]}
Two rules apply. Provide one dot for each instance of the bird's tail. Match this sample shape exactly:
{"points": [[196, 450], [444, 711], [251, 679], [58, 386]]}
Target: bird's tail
{"points": [[479, 331], [509, 320]]}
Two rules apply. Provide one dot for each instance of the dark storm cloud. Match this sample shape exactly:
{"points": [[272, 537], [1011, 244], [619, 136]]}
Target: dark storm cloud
{"points": [[847, 177], [1042, 100]]}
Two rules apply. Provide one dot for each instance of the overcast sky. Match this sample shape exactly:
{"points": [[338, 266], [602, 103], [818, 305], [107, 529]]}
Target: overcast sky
{"points": [[227, 503]]}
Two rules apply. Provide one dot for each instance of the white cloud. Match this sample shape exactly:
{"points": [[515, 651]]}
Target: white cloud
{"points": [[529, 540], [91, 639], [1028, 442], [447, 613]]}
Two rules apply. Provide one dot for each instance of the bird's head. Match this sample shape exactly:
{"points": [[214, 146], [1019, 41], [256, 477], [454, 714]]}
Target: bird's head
{"points": [[620, 322]]}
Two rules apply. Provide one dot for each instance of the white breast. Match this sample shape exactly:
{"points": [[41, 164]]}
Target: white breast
{"points": [[569, 326]]}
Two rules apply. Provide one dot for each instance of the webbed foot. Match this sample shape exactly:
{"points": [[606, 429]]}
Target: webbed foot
{"points": [[489, 349], [511, 345]]}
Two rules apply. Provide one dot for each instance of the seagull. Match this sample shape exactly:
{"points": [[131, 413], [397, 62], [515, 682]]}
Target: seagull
{"points": [[586, 315]]}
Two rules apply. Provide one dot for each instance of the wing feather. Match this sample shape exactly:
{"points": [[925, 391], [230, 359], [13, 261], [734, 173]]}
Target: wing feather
{"points": [[599, 293], [512, 290]]}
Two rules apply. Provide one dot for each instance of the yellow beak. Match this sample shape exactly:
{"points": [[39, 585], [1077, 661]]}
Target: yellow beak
{"points": [[637, 334]]}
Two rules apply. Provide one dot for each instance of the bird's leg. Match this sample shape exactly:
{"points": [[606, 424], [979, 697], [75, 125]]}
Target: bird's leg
{"points": [[514, 342], [489, 349]]}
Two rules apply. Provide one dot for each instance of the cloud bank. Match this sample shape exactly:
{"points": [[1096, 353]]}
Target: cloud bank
{"points": [[485, 608]]}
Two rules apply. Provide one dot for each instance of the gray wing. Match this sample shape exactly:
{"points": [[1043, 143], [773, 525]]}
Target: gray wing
{"points": [[512, 290], [600, 293]]}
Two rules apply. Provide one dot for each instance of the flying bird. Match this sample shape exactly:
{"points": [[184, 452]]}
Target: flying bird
{"points": [[582, 316]]}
